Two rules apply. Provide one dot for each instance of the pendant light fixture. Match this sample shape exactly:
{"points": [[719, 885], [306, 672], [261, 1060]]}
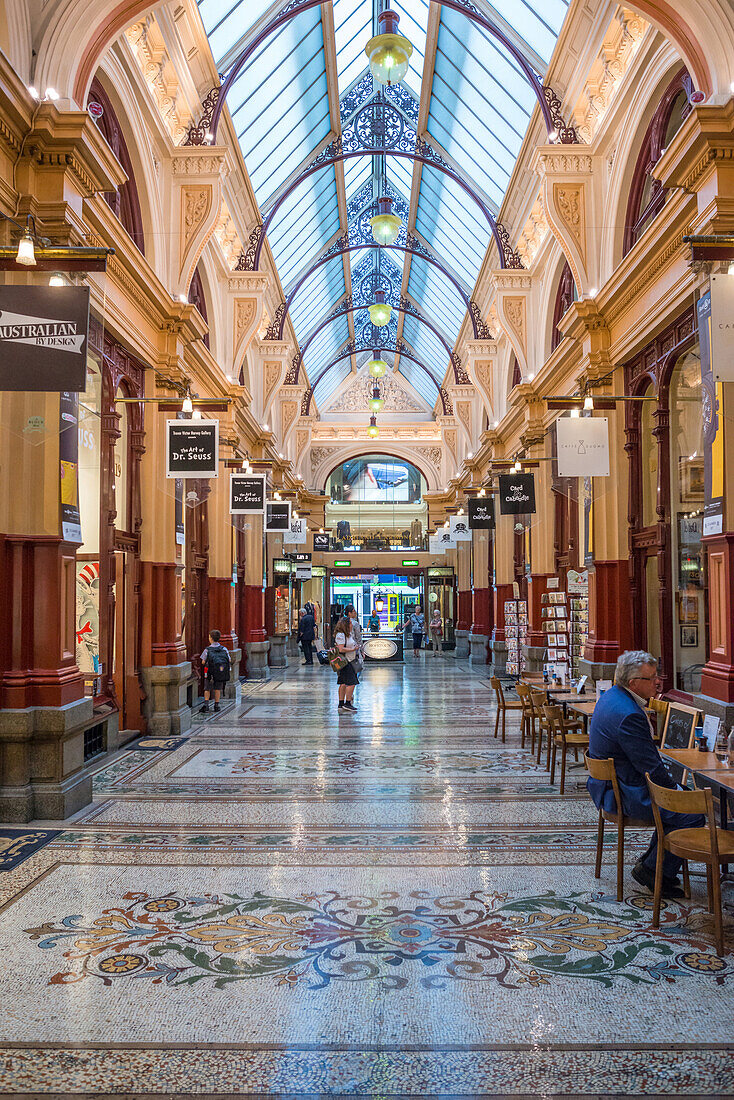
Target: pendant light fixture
{"points": [[376, 366], [373, 431], [385, 225], [376, 401], [380, 312], [388, 52], [379, 603], [26, 251]]}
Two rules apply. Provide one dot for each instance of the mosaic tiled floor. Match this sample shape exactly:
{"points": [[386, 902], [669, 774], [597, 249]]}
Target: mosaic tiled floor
{"points": [[289, 903]]}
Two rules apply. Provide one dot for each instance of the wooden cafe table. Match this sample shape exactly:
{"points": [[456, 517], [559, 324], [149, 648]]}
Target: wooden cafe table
{"points": [[584, 709], [715, 773]]}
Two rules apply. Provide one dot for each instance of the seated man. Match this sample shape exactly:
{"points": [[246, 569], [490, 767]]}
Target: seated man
{"points": [[620, 729]]}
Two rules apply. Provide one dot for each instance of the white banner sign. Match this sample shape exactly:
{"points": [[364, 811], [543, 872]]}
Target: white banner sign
{"points": [[583, 446], [297, 533], [303, 572], [434, 545], [722, 327], [459, 529]]}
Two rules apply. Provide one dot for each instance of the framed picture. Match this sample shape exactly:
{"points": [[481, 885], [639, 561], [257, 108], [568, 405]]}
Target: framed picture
{"points": [[688, 636], [690, 477], [687, 609]]}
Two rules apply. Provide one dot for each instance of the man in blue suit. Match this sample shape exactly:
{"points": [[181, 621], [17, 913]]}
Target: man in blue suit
{"points": [[620, 729]]}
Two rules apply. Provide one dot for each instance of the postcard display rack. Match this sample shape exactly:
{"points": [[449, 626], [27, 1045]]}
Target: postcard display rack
{"points": [[578, 600], [556, 626], [516, 633]]}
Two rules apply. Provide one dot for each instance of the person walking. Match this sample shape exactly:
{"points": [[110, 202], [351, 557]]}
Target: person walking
{"points": [[435, 629], [346, 643], [417, 626], [306, 633], [215, 661], [407, 634]]}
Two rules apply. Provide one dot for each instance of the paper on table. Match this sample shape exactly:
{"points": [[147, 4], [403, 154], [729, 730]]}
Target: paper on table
{"points": [[710, 730]]}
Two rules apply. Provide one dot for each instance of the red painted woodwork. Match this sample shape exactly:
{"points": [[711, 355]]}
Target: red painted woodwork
{"points": [[254, 613], [221, 609], [501, 592], [717, 679], [160, 626], [464, 610], [537, 587], [610, 616], [37, 620], [481, 607]]}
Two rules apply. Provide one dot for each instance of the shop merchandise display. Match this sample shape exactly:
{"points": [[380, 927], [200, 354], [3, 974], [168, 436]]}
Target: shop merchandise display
{"points": [[516, 633], [578, 599], [555, 626]]}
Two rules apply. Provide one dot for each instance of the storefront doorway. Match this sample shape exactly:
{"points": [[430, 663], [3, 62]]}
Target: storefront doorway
{"points": [[389, 596]]}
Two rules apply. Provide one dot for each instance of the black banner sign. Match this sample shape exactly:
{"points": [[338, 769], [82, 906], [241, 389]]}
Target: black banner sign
{"points": [[517, 494], [278, 515], [321, 543], [192, 448], [481, 514], [302, 557], [246, 494], [43, 338]]}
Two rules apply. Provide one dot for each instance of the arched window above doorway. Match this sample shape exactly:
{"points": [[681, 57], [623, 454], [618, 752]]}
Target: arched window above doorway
{"points": [[647, 195], [125, 201], [197, 298], [515, 375], [565, 296]]}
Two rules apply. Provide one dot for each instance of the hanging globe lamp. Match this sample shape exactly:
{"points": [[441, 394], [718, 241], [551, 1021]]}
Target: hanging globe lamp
{"points": [[376, 366], [388, 52], [376, 401], [373, 431], [380, 312], [385, 225]]}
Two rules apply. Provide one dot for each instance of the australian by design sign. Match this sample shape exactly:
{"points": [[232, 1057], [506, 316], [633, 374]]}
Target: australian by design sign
{"points": [[517, 494], [43, 338], [192, 448]]}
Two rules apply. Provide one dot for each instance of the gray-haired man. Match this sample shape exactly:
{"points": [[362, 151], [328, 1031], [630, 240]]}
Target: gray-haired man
{"points": [[620, 729]]}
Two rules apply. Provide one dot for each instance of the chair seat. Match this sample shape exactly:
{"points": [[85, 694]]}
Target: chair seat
{"points": [[572, 724], [577, 740], [628, 822], [510, 705], [688, 842]]}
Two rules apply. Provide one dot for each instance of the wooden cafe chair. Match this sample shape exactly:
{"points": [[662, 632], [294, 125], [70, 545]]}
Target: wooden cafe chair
{"points": [[528, 722], [538, 701], [606, 771], [503, 705], [658, 708], [563, 734], [707, 844]]}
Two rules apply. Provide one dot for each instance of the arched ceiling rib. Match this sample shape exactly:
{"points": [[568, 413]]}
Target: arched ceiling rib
{"points": [[474, 106]]}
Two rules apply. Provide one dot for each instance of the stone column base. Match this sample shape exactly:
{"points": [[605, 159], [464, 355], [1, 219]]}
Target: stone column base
{"points": [[277, 658], [257, 660], [235, 656], [596, 670], [462, 644], [534, 657], [166, 707], [42, 770], [709, 705], [478, 649], [292, 648], [499, 657]]}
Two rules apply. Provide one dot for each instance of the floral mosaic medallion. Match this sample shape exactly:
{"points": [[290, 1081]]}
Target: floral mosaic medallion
{"points": [[434, 940]]}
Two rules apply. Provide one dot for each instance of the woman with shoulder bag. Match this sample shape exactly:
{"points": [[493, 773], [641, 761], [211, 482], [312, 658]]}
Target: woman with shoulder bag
{"points": [[435, 627], [347, 679]]}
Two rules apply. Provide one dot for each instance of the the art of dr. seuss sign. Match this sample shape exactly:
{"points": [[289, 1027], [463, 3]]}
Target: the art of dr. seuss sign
{"points": [[192, 448]]}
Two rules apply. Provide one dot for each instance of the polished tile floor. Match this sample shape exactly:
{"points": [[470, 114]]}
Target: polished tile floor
{"points": [[292, 903]]}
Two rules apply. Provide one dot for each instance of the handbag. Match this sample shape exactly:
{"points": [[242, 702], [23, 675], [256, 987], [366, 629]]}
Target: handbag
{"points": [[337, 660]]}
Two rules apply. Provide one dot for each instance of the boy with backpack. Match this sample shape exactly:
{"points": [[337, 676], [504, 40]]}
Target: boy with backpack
{"points": [[216, 664]]}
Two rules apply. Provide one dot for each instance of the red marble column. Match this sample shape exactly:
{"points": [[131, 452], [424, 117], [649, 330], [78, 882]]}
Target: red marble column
{"points": [[37, 622], [610, 612], [481, 611], [464, 610], [537, 587], [160, 623], [717, 679], [254, 614], [221, 609]]}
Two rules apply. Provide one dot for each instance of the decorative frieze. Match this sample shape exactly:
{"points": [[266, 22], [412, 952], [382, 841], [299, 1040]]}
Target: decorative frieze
{"points": [[621, 43], [148, 47]]}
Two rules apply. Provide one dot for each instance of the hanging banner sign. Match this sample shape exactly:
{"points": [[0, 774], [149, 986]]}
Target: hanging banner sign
{"points": [[434, 545], [722, 328], [296, 534], [192, 448], [481, 514], [459, 528], [303, 572], [517, 494], [583, 446], [277, 515], [246, 494], [43, 338], [444, 539], [321, 543], [71, 525]]}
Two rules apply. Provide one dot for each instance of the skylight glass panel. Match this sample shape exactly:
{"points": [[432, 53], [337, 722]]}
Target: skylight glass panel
{"points": [[399, 172], [228, 24], [427, 345], [331, 381], [538, 22], [413, 22], [303, 225], [452, 223], [356, 173], [352, 31], [436, 296], [326, 347], [317, 295], [480, 103], [417, 377], [279, 103]]}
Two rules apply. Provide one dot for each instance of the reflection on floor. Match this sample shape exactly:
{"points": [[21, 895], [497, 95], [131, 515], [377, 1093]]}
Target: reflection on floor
{"points": [[292, 902]]}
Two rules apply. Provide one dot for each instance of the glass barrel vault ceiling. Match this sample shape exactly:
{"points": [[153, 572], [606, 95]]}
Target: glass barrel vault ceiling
{"points": [[478, 108]]}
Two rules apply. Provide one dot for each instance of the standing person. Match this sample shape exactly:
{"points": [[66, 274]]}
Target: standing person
{"points": [[347, 679], [435, 629], [351, 613], [417, 626], [407, 634], [216, 663], [374, 623], [306, 633]]}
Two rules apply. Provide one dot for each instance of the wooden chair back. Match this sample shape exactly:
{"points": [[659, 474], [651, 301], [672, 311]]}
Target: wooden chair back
{"points": [[538, 701], [684, 802], [658, 705], [496, 684], [554, 717], [607, 771]]}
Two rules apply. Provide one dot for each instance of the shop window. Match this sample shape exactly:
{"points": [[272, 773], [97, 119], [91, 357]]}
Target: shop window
{"points": [[376, 503], [650, 465], [197, 298], [122, 501], [647, 195], [515, 374], [89, 473], [124, 201], [565, 296]]}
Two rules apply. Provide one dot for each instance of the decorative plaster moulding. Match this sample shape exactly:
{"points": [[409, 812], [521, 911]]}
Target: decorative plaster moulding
{"points": [[621, 43], [202, 160], [250, 283]]}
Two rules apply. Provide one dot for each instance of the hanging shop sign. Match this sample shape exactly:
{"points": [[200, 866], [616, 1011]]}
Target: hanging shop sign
{"points": [[192, 448], [303, 572], [410, 561], [296, 534], [71, 526], [43, 338], [722, 328], [517, 494], [434, 545], [246, 494], [459, 528], [481, 514], [277, 516], [583, 446], [321, 543], [343, 562], [445, 540]]}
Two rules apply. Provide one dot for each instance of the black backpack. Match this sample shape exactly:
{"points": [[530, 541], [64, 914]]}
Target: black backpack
{"points": [[217, 662]]}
